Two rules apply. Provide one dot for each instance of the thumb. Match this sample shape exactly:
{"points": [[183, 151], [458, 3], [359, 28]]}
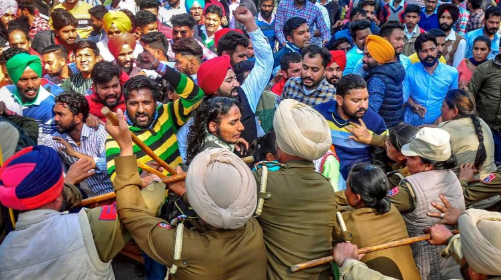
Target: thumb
{"points": [[362, 122], [360, 256]]}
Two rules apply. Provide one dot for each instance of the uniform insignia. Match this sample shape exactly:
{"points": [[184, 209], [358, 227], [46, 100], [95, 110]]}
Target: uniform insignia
{"points": [[164, 225], [108, 212], [489, 178], [393, 192]]}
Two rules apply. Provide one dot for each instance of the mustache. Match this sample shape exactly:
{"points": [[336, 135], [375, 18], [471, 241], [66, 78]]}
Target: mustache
{"points": [[141, 115], [361, 110]]}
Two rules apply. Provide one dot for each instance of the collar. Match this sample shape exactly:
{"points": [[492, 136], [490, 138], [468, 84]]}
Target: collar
{"points": [[41, 96], [423, 10], [293, 47], [399, 5], [416, 29], [29, 218], [260, 18], [212, 138], [451, 36], [205, 31], [337, 118], [359, 51]]}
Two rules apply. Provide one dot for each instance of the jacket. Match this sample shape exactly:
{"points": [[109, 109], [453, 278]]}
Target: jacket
{"points": [[409, 43], [95, 105], [392, 75], [248, 118], [42, 40], [485, 85]]}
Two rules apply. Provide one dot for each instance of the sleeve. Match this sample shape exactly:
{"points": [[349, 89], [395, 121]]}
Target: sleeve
{"points": [[72, 196], [280, 18], [258, 78], [477, 191], [378, 140], [190, 94], [320, 25], [459, 55], [476, 82], [455, 79], [453, 249], [29, 125], [359, 68], [406, 87], [354, 270], [66, 84], [403, 197], [377, 89], [469, 46], [100, 160], [152, 234]]}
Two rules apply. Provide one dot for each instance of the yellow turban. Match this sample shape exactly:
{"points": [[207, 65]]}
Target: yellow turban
{"points": [[380, 49], [120, 19]]}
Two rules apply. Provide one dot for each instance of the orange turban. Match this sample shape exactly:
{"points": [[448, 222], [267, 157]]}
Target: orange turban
{"points": [[380, 49], [116, 43], [211, 74], [339, 57]]}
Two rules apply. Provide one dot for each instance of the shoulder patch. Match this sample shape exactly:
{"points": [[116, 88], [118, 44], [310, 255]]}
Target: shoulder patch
{"points": [[393, 192], [108, 212], [164, 225], [489, 178]]}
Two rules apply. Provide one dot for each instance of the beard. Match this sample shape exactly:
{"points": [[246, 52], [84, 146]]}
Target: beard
{"points": [[232, 94], [445, 27], [333, 80], [357, 114], [491, 31], [65, 129], [429, 61], [314, 83], [136, 122]]}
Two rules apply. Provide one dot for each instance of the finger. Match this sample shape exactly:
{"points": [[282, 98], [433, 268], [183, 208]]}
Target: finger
{"points": [[360, 256], [92, 172], [435, 215], [237, 148], [437, 206], [445, 202], [362, 122], [352, 138]]}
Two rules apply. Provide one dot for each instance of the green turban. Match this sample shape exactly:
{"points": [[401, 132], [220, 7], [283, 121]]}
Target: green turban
{"points": [[18, 63]]}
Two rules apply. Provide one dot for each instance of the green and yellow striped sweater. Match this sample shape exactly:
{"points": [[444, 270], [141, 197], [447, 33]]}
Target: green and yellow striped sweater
{"points": [[161, 138]]}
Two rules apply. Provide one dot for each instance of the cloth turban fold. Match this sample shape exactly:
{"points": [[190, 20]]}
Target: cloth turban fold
{"points": [[120, 19], [221, 189], [380, 49], [480, 240], [212, 72], [8, 6], [339, 57], [31, 178], [301, 131], [451, 8], [189, 3], [18, 64], [116, 43]]}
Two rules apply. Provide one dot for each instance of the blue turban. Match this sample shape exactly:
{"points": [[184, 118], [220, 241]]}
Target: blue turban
{"points": [[189, 4]]}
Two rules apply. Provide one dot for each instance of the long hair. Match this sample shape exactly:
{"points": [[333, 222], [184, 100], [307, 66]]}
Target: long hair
{"points": [[370, 182], [402, 134], [210, 111], [465, 103]]}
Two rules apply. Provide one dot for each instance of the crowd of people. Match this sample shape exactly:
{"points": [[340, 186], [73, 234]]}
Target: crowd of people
{"points": [[292, 130]]}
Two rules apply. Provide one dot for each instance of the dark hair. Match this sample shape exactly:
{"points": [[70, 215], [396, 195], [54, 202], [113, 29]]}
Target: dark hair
{"points": [[230, 41], [104, 71], [156, 40], [422, 38], [357, 26], [86, 44], [28, 5], [364, 3], [76, 102], [292, 24], [451, 8], [350, 82], [413, 8], [357, 10], [476, 4], [188, 46], [59, 51], [370, 182], [312, 50], [183, 20], [62, 18], [436, 32], [148, 4], [9, 53], [492, 11], [338, 42], [98, 11], [464, 101], [213, 9], [389, 27], [3, 42], [484, 39], [265, 145], [210, 110], [140, 82], [19, 24], [288, 58], [402, 134], [242, 67], [130, 15], [144, 18], [441, 165]]}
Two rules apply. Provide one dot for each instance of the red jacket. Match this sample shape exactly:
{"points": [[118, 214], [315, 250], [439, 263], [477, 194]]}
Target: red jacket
{"points": [[96, 105]]}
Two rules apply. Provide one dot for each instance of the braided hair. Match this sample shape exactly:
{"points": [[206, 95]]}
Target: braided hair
{"points": [[210, 110], [370, 182], [465, 103]]}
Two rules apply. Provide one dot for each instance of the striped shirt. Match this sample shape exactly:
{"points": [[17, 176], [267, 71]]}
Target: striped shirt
{"points": [[92, 143], [464, 16], [294, 89], [161, 137], [78, 83]]}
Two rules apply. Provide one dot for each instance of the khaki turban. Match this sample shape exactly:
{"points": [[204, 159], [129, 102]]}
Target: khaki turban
{"points": [[481, 241], [221, 189], [380, 49], [301, 131]]}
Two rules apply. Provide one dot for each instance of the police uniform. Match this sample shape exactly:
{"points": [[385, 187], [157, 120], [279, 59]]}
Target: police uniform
{"points": [[476, 191]]}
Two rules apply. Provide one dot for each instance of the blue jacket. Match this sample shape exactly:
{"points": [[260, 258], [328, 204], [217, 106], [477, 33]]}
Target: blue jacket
{"points": [[390, 104]]}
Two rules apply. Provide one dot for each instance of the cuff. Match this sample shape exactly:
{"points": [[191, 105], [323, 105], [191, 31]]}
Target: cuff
{"points": [[453, 248], [126, 172], [348, 264], [378, 140], [464, 183]]}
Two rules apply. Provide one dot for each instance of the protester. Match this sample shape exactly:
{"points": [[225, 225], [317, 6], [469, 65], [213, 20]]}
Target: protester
{"points": [[114, 23], [55, 66], [335, 68], [297, 34], [80, 10], [481, 50], [195, 8], [96, 15], [477, 14], [428, 17], [266, 21], [86, 56], [412, 29], [7, 13], [213, 15], [28, 10], [64, 32], [490, 29], [122, 48], [290, 67], [455, 45], [359, 31], [188, 56]]}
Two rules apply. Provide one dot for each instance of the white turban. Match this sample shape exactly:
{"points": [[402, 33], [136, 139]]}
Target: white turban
{"points": [[221, 189], [8, 6], [301, 130], [481, 240]]}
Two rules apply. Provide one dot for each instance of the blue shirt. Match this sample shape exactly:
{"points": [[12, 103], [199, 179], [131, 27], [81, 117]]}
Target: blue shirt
{"points": [[346, 33], [348, 151], [352, 57], [428, 22], [470, 37], [268, 29], [428, 90]]}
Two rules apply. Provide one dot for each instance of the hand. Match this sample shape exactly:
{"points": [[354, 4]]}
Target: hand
{"points": [[338, 24], [242, 146], [344, 251], [147, 177], [277, 78], [439, 235], [243, 15], [146, 60], [360, 132], [178, 187], [67, 146], [3, 108], [224, 21], [121, 134], [418, 109], [79, 171], [93, 122], [317, 33], [449, 214], [467, 172]]}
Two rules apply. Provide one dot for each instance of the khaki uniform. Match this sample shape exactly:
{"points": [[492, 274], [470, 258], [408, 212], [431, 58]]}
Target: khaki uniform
{"points": [[476, 191], [297, 220], [368, 228], [211, 254]]}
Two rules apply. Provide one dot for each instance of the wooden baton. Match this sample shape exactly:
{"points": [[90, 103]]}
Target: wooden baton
{"points": [[113, 118], [392, 244]]}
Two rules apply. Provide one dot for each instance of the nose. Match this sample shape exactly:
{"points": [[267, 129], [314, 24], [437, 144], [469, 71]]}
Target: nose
{"points": [[240, 127], [140, 108], [31, 84], [235, 83], [128, 57]]}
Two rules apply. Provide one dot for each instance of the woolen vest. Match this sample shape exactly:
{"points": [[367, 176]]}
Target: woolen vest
{"points": [[51, 245], [427, 187]]}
